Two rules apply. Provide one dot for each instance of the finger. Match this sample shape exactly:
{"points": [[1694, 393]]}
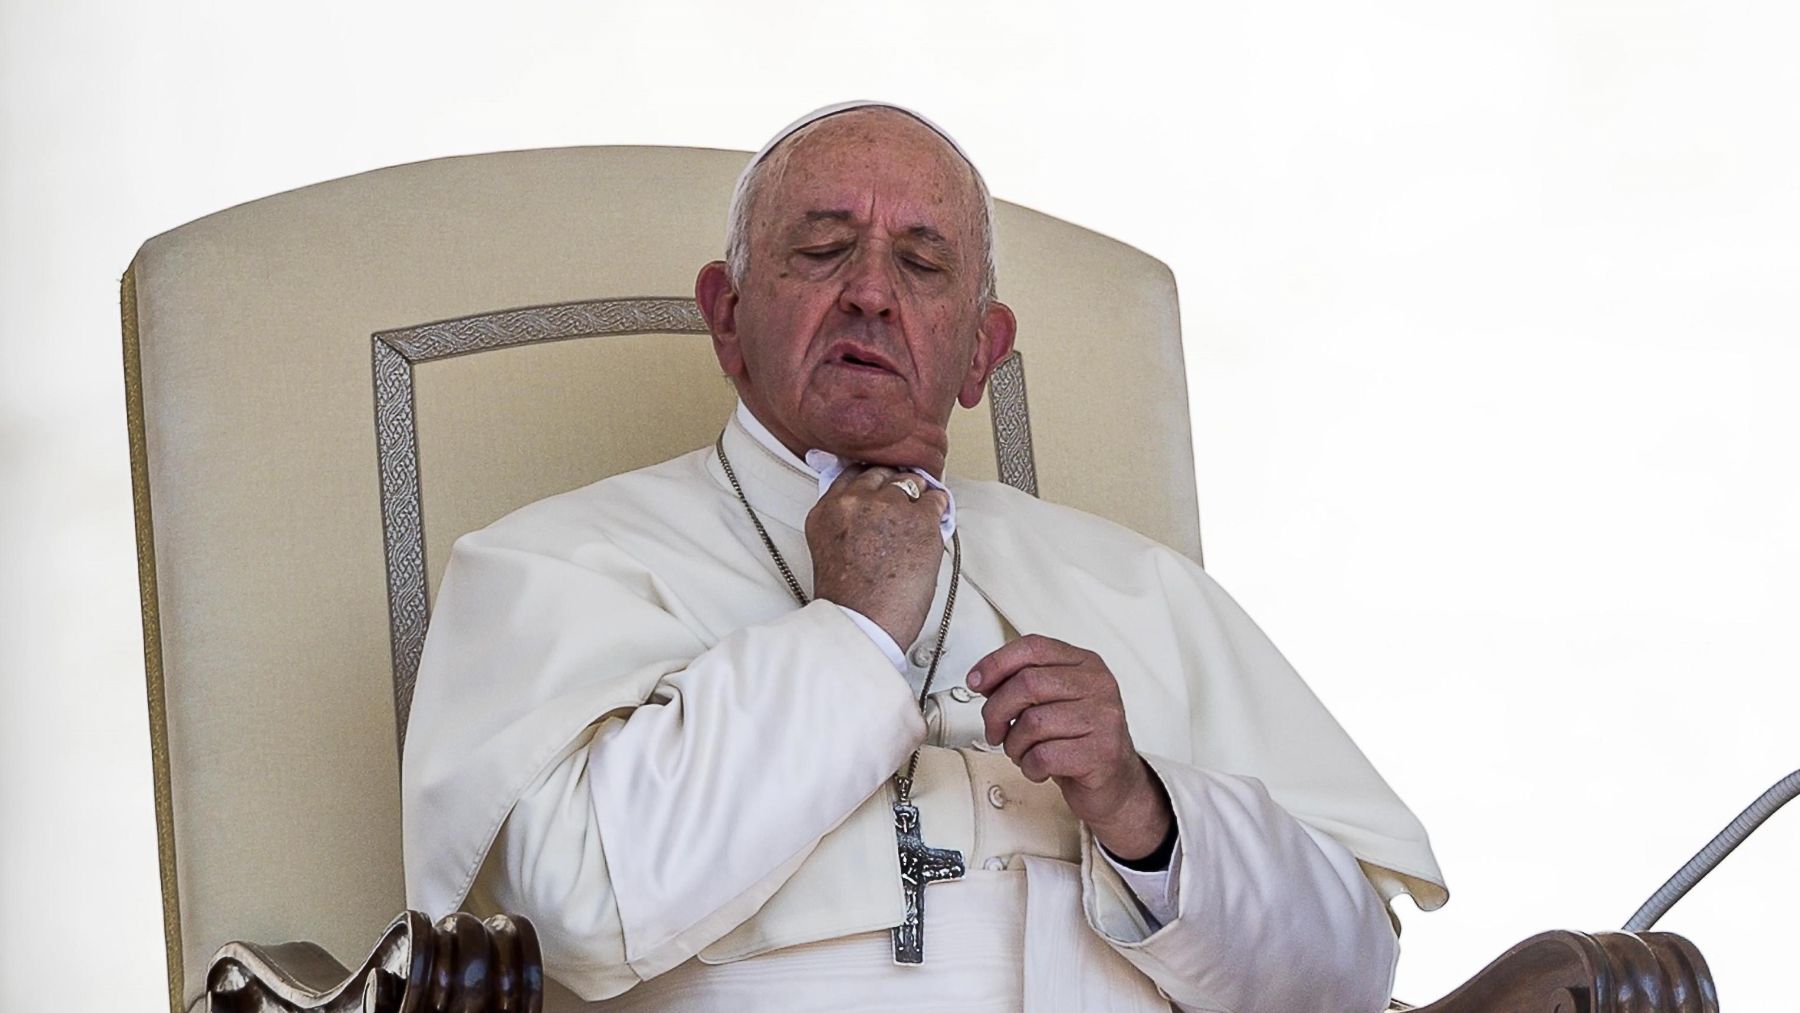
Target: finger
{"points": [[1055, 758], [899, 480], [874, 477], [937, 499], [1062, 719], [991, 672], [849, 475], [1027, 688]]}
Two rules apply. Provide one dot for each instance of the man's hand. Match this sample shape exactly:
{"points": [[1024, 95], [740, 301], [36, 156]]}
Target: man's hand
{"points": [[1057, 709], [876, 551]]}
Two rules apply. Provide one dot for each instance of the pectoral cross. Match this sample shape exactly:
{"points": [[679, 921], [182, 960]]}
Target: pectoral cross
{"points": [[919, 865]]}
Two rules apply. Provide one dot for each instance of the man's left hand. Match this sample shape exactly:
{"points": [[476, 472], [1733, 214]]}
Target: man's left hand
{"points": [[1057, 709]]}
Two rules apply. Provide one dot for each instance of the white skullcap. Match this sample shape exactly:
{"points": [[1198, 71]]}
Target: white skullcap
{"points": [[843, 107]]}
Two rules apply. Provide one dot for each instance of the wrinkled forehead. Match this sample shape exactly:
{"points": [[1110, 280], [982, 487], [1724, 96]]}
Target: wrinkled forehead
{"points": [[870, 157]]}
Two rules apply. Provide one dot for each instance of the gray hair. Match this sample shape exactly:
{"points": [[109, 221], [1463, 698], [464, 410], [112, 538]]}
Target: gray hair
{"points": [[749, 187]]}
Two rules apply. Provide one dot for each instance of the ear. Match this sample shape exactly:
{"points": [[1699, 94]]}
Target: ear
{"points": [[993, 342], [718, 304]]}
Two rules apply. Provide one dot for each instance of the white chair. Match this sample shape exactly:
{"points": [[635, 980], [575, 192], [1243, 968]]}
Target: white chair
{"points": [[326, 387]]}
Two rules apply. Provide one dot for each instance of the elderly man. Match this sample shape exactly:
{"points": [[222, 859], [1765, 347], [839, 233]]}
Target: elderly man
{"points": [[796, 722]]}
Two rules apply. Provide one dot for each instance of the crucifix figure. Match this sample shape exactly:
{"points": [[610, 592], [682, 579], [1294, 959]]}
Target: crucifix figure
{"points": [[919, 865]]}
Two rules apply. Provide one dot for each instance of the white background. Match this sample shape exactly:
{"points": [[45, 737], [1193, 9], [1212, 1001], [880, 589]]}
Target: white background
{"points": [[1491, 324]]}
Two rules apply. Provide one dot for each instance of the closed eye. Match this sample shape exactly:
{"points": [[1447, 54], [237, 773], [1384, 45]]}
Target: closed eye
{"points": [[923, 267], [824, 254]]}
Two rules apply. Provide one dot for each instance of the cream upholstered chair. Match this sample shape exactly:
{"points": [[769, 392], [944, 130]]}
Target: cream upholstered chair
{"points": [[326, 387]]}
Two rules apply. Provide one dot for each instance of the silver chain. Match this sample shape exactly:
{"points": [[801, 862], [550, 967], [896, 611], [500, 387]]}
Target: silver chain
{"points": [[902, 781]]}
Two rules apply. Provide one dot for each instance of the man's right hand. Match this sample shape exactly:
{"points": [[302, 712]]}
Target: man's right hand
{"points": [[876, 551]]}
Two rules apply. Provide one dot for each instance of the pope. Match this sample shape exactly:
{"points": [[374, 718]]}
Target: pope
{"points": [[799, 721]]}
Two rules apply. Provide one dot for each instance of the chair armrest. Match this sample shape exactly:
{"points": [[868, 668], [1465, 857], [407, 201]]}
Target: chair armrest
{"points": [[461, 963], [1602, 972]]}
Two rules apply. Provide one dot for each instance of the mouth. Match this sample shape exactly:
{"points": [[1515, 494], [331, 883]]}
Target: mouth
{"points": [[861, 358]]}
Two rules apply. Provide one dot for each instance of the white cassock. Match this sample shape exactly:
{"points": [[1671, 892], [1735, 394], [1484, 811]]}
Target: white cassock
{"points": [[625, 729]]}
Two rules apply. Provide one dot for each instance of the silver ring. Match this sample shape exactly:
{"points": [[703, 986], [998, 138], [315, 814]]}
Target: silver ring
{"points": [[909, 486]]}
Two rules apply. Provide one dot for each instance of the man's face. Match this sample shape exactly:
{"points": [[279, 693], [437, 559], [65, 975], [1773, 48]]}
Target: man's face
{"points": [[857, 325]]}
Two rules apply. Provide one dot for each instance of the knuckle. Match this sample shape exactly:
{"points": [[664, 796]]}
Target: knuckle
{"points": [[1031, 681], [1091, 723], [1032, 764], [1030, 722]]}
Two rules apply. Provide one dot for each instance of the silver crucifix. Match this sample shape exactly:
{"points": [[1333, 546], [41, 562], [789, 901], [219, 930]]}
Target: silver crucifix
{"points": [[919, 865]]}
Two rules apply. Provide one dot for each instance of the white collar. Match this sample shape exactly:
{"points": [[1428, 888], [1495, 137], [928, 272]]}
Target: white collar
{"points": [[825, 466]]}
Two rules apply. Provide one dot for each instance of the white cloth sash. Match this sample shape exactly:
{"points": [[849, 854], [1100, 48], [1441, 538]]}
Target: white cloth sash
{"points": [[997, 942]]}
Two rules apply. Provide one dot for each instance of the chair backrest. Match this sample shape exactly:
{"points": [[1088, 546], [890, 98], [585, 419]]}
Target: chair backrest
{"points": [[326, 387]]}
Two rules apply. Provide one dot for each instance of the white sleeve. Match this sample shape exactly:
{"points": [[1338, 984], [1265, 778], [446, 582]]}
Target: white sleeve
{"points": [[676, 821], [1156, 889], [879, 636], [1271, 915]]}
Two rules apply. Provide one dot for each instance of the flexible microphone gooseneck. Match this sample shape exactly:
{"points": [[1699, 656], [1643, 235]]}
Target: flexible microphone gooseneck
{"points": [[1715, 851]]}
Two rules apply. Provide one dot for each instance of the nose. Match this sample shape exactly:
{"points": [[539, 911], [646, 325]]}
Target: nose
{"points": [[869, 287]]}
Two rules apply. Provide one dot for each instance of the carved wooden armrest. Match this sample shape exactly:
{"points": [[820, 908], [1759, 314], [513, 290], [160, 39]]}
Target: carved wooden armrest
{"points": [[1578, 972], [460, 965], [464, 965]]}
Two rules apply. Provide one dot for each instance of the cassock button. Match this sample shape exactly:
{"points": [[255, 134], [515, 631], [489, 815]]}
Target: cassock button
{"points": [[994, 865], [996, 797], [921, 655], [961, 694]]}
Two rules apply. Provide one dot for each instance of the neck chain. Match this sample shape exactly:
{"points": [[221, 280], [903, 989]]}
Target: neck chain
{"points": [[902, 779]]}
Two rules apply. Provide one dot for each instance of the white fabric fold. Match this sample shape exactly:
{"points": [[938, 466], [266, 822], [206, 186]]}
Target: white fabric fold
{"points": [[1157, 888], [1284, 919], [1068, 968], [647, 599], [877, 636], [698, 756]]}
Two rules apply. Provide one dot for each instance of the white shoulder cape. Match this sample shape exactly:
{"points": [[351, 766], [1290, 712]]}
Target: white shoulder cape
{"points": [[610, 588]]}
